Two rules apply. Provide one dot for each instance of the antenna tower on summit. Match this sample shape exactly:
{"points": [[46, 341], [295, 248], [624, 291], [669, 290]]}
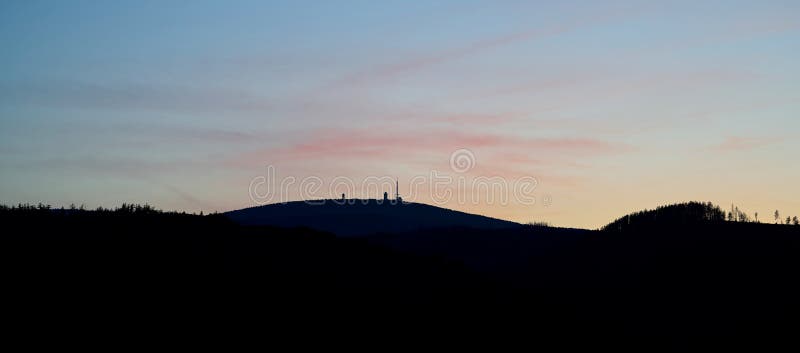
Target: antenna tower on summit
{"points": [[397, 197]]}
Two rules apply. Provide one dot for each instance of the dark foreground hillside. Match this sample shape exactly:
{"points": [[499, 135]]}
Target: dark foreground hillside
{"points": [[694, 285]]}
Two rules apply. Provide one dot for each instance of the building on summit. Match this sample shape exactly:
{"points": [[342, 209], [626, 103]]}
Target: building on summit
{"points": [[397, 198]]}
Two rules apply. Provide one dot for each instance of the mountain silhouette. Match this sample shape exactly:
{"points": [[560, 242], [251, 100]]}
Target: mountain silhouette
{"points": [[677, 275], [362, 217]]}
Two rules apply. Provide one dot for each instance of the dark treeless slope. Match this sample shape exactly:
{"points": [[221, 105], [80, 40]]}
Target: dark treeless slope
{"points": [[362, 217]]}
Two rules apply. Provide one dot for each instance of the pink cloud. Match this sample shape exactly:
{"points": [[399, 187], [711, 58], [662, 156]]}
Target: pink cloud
{"points": [[410, 146]]}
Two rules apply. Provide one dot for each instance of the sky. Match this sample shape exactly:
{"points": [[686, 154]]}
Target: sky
{"points": [[608, 106]]}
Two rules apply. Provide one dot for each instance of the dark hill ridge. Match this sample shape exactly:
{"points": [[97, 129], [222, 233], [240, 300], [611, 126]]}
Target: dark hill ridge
{"points": [[677, 276], [362, 217]]}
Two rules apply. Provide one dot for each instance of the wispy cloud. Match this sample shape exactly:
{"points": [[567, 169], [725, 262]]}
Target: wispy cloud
{"points": [[188, 198], [475, 118], [163, 133], [116, 166], [370, 146], [129, 97], [479, 46], [739, 30], [738, 143]]}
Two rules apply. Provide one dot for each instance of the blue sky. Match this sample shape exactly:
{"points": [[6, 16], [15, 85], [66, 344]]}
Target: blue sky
{"points": [[612, 106]]}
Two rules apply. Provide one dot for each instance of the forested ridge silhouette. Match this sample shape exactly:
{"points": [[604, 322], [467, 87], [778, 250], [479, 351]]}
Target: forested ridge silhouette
{"points": [[689, 213]]}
